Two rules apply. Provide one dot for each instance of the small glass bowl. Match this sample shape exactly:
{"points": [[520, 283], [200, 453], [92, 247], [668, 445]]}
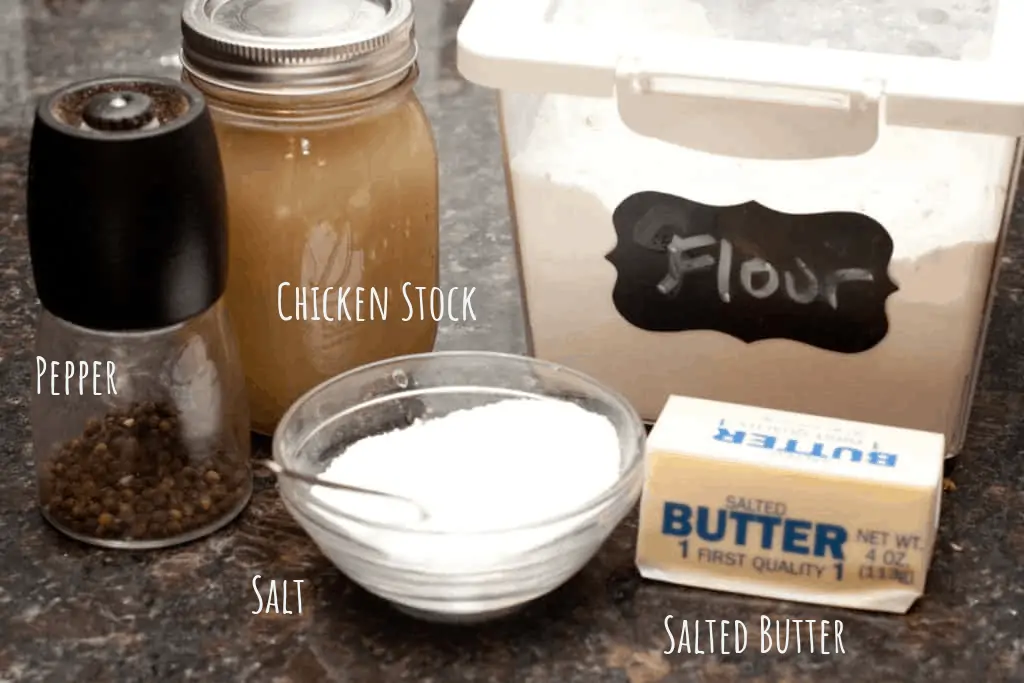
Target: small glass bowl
{"points": [[485, 574]]}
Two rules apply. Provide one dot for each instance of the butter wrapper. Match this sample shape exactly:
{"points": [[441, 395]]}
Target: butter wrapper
{"points": [[787, 506]]}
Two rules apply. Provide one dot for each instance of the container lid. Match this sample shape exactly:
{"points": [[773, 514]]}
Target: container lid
{"points": [[834, 70], [126, 204], [313, 44]]}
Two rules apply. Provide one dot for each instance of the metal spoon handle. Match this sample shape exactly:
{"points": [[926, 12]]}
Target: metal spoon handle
{"points": [[317, 481]]}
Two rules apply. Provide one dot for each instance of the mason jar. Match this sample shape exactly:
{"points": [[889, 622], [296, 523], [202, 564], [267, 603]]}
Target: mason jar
{"points": [[332, 183]]}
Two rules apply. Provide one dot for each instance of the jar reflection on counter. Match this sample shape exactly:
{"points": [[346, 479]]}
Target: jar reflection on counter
{"points": [[330, 189]]}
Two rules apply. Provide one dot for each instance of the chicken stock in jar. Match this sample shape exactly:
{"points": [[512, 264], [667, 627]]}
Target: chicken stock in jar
{"points": [[332, 184]]}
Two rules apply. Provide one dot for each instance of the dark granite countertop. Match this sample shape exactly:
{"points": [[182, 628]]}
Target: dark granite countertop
{"points": [[73, 613]]}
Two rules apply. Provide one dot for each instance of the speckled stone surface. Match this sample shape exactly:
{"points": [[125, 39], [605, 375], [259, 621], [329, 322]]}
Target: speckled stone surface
{"points": [[72, 613]]}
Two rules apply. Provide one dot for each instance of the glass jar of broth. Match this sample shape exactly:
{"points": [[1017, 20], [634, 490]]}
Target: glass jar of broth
{"points": [[332, 183]]}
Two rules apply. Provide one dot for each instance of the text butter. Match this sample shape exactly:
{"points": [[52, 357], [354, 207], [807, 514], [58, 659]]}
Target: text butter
{"points": [[788, 506]]}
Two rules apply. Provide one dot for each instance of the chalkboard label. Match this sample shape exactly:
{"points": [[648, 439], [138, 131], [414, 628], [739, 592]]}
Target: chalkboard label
{"points": [[751, 272]]}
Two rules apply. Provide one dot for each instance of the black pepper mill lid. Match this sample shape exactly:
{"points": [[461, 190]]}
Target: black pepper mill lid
{"points": [[126, 204]]}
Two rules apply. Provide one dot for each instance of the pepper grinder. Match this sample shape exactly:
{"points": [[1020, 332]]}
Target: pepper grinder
{"points": [[140, 426]]}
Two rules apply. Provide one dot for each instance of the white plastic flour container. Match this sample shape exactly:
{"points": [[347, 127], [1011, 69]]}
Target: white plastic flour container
{"points": [[798, 205]]}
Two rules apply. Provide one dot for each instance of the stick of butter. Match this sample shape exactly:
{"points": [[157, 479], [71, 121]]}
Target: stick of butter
{"points": [[788, 506]]}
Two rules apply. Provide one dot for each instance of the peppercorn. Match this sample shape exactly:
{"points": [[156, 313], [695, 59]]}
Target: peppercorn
{"points": [[131, 475]]}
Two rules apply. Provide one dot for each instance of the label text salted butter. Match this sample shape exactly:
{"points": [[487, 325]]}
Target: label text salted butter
{"points": [[795, 536]]}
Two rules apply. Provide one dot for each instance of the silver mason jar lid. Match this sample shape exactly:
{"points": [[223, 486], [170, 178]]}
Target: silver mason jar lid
{"points": [[263, 45]]}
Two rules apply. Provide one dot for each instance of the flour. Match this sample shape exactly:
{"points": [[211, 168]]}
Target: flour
{"points": [[898, 183], [940, 196], [618, 18], [952, 29], [503, 465]]}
